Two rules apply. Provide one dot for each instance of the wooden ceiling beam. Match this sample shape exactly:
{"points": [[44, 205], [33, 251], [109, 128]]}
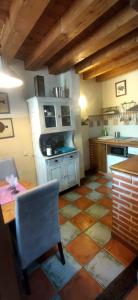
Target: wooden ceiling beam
{"points": [[116, 63], [78, 17], [116, 27], [133, 65], [134, 4], [110, 52], [22, 17], [3, 15]]}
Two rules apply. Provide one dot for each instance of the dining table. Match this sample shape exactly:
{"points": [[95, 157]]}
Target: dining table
{"points": [[8, 198]]}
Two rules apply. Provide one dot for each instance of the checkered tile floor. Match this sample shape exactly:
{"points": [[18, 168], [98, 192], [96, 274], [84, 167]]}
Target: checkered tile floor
{"points": [[93, 258]]}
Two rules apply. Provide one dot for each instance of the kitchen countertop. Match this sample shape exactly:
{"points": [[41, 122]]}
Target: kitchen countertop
{"points": [[59, 155], [129, 166], [132, 142]]}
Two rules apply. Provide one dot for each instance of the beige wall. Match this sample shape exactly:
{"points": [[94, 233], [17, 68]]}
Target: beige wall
{"points": [[100, 95], [75, 90], [109, 99], [20, 147], [108, 89], [91, 90]]}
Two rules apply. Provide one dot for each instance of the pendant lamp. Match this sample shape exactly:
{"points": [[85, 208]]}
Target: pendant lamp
{"points": [[8, 79]]}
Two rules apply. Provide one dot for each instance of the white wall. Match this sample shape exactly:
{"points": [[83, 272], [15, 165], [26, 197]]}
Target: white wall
{"points": [[20, 147]]}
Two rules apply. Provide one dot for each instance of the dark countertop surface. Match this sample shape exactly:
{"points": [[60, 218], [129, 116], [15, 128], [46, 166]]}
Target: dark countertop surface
{"points": [[129, 166]]}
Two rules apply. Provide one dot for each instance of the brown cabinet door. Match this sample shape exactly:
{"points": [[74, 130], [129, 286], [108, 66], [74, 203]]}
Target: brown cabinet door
{"points": [[99, 158]]}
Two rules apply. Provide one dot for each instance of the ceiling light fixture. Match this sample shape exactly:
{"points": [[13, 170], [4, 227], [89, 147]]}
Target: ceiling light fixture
{"points": [[8, 79]]}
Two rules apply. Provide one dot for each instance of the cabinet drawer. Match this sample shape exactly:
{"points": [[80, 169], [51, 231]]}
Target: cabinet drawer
{"points": [[55, 161], [70, 156]]}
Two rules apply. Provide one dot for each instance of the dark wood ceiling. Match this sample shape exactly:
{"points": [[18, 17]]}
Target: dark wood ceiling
{"points": [[48, 19], [4, 13], [99, 38]]}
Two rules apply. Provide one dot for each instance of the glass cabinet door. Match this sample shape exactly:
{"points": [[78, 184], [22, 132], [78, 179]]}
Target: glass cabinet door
{"points": [[49, 115], [65, 115]]}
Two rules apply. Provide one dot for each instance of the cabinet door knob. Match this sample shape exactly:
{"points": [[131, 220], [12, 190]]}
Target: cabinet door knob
{"points": [[71, 156], [56, 160]]}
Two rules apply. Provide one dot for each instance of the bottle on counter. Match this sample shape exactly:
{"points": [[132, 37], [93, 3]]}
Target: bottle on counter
{"points": [[104, 131]]}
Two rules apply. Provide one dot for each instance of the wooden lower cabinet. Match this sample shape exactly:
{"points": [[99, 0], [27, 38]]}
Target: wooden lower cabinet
{"points": [[98, 157]]}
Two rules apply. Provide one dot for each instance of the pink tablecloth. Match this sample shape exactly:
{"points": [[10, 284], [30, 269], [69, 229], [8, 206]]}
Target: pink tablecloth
{"points": [[6, 194]]}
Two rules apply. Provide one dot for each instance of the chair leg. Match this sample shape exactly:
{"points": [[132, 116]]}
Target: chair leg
{"points": [[13, 237], [61, 253], [26, 282]]}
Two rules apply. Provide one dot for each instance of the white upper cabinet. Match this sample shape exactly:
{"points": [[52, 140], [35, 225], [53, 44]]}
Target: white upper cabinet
{"points": [[53, 114]]}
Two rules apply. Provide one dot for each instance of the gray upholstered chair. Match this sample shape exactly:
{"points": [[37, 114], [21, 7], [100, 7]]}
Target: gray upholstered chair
{"points": [[7, 167], [37, 225]]}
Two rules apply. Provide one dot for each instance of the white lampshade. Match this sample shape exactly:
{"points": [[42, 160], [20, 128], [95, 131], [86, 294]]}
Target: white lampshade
{"points": [[7, 78]]}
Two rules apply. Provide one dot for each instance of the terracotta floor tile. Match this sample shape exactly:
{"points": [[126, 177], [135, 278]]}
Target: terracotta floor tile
{"points": [[120, 252], [41, 288], [83, 221], [133, 295], [63, 202], [82, 190], [62, 219], [107, 220], [102, 180], [83, 249], [104, 190], [83, 203], [81, 287], [106, 202]]}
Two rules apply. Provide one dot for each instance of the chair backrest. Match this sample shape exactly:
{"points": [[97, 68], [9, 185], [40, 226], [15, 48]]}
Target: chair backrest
{"points": [[37, 226], [7, 167]]}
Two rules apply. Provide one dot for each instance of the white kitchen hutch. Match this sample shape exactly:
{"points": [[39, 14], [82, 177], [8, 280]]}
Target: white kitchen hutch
{"points": [[52, 122]]}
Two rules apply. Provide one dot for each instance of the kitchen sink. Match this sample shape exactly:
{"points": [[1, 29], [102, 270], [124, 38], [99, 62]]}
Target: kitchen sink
{"points": [[106, 137], [122, 138]]}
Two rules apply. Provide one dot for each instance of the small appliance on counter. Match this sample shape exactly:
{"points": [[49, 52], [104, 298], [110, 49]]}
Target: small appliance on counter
{"points": [[48, 150]]}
